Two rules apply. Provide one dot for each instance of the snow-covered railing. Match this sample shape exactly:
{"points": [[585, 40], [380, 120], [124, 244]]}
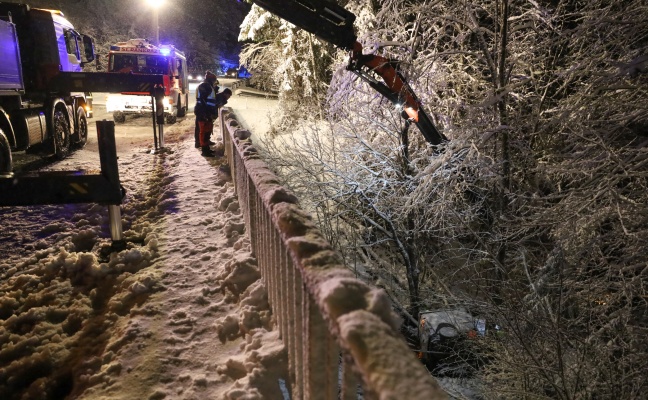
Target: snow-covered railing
{"points": [[340, 333]]}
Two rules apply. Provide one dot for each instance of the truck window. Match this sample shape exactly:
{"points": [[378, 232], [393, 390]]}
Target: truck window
{"points": [[182, 73], [138, 63], [157, 65], [123, 63], [176, 67], [71, 44]]}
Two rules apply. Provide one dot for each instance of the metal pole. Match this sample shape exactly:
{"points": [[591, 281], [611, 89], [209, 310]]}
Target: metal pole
{"points": [[156, 26], [108, 152], [110, 170], [159, 112], [155, 136], [116, 230], [161, 135]]}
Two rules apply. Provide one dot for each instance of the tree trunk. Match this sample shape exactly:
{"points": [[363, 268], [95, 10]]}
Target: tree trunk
{"points": [[504, 135], [413, 272]]}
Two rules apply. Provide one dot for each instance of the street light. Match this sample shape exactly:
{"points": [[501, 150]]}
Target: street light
{"points": [[155, 5]]}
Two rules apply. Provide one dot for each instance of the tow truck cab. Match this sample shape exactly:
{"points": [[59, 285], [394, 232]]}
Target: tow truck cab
{"points": [[48, 44], [37, 46]]}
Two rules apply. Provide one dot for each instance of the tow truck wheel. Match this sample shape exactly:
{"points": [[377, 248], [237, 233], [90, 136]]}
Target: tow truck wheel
{"points": [[5, 156], [170, 119], [61, 133], [82, 130], [119, 117]]}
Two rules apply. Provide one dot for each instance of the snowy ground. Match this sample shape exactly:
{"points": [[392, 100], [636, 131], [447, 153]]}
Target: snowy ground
{"points": [[179, 314], [255, 113]]}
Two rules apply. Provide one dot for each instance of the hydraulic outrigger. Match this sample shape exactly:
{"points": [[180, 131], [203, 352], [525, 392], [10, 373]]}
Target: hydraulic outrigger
{"points": [[68, 187], [334, 24]]}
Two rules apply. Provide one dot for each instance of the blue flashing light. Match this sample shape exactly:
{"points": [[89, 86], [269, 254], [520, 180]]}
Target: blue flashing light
{"points": [[165, 51]]}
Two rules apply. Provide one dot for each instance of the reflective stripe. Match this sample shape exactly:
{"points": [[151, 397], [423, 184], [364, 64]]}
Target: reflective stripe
{"points": [[210, 100]]}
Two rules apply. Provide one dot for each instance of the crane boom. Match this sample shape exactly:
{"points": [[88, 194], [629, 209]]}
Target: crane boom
{"points": [[334, 24], [324, 19]]}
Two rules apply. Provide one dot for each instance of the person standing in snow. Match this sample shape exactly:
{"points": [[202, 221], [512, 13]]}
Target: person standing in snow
{"points": [[206, 112]]}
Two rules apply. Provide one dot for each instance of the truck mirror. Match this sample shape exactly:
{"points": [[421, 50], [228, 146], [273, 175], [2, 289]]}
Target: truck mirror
{"points": [[88, 49], [98, 65]]}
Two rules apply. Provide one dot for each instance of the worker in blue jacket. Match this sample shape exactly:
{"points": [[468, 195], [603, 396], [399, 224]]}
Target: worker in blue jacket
{"points": [[206, 112]]}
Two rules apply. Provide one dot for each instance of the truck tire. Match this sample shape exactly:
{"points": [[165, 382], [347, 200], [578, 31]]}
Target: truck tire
{"points": [[60, 134], [119, 117], [6, 166], [81, 137], [170, 119], [182, 109]]}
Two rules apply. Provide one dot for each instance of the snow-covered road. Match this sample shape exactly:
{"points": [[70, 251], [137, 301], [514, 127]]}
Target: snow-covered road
{"points": [[179, 314]]}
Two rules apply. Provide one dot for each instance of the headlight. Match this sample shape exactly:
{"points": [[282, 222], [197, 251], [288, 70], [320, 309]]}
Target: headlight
{"points": [[166, 102], [448, 332]]}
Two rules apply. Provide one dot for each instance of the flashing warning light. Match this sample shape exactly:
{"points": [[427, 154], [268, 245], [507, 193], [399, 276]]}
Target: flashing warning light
{"points": [[57, 12], [165, 51]]}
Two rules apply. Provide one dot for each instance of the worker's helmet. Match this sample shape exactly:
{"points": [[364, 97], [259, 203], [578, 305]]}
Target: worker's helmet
{"points": [[210, 76]]}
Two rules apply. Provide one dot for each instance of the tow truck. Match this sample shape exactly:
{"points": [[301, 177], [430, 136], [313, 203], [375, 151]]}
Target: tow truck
{"points": [[334, 24], [36, 45], [139, 56]]}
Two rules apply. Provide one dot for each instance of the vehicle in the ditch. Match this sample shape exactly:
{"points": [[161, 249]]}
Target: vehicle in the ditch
{"points": [[451, 341]]}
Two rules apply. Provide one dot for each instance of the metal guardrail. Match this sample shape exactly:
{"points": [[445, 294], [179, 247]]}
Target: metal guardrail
{"points": [[340, 333], [239, 83]]}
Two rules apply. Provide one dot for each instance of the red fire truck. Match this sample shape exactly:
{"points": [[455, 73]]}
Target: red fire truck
{"points": [[138, 56]]}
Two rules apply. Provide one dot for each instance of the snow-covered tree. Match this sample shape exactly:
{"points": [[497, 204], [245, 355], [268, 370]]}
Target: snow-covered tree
{"points": [[286, 59], [534, 215]]}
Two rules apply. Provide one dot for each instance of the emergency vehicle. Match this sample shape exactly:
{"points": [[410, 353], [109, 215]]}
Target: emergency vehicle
{"points": [[139, 56]]}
